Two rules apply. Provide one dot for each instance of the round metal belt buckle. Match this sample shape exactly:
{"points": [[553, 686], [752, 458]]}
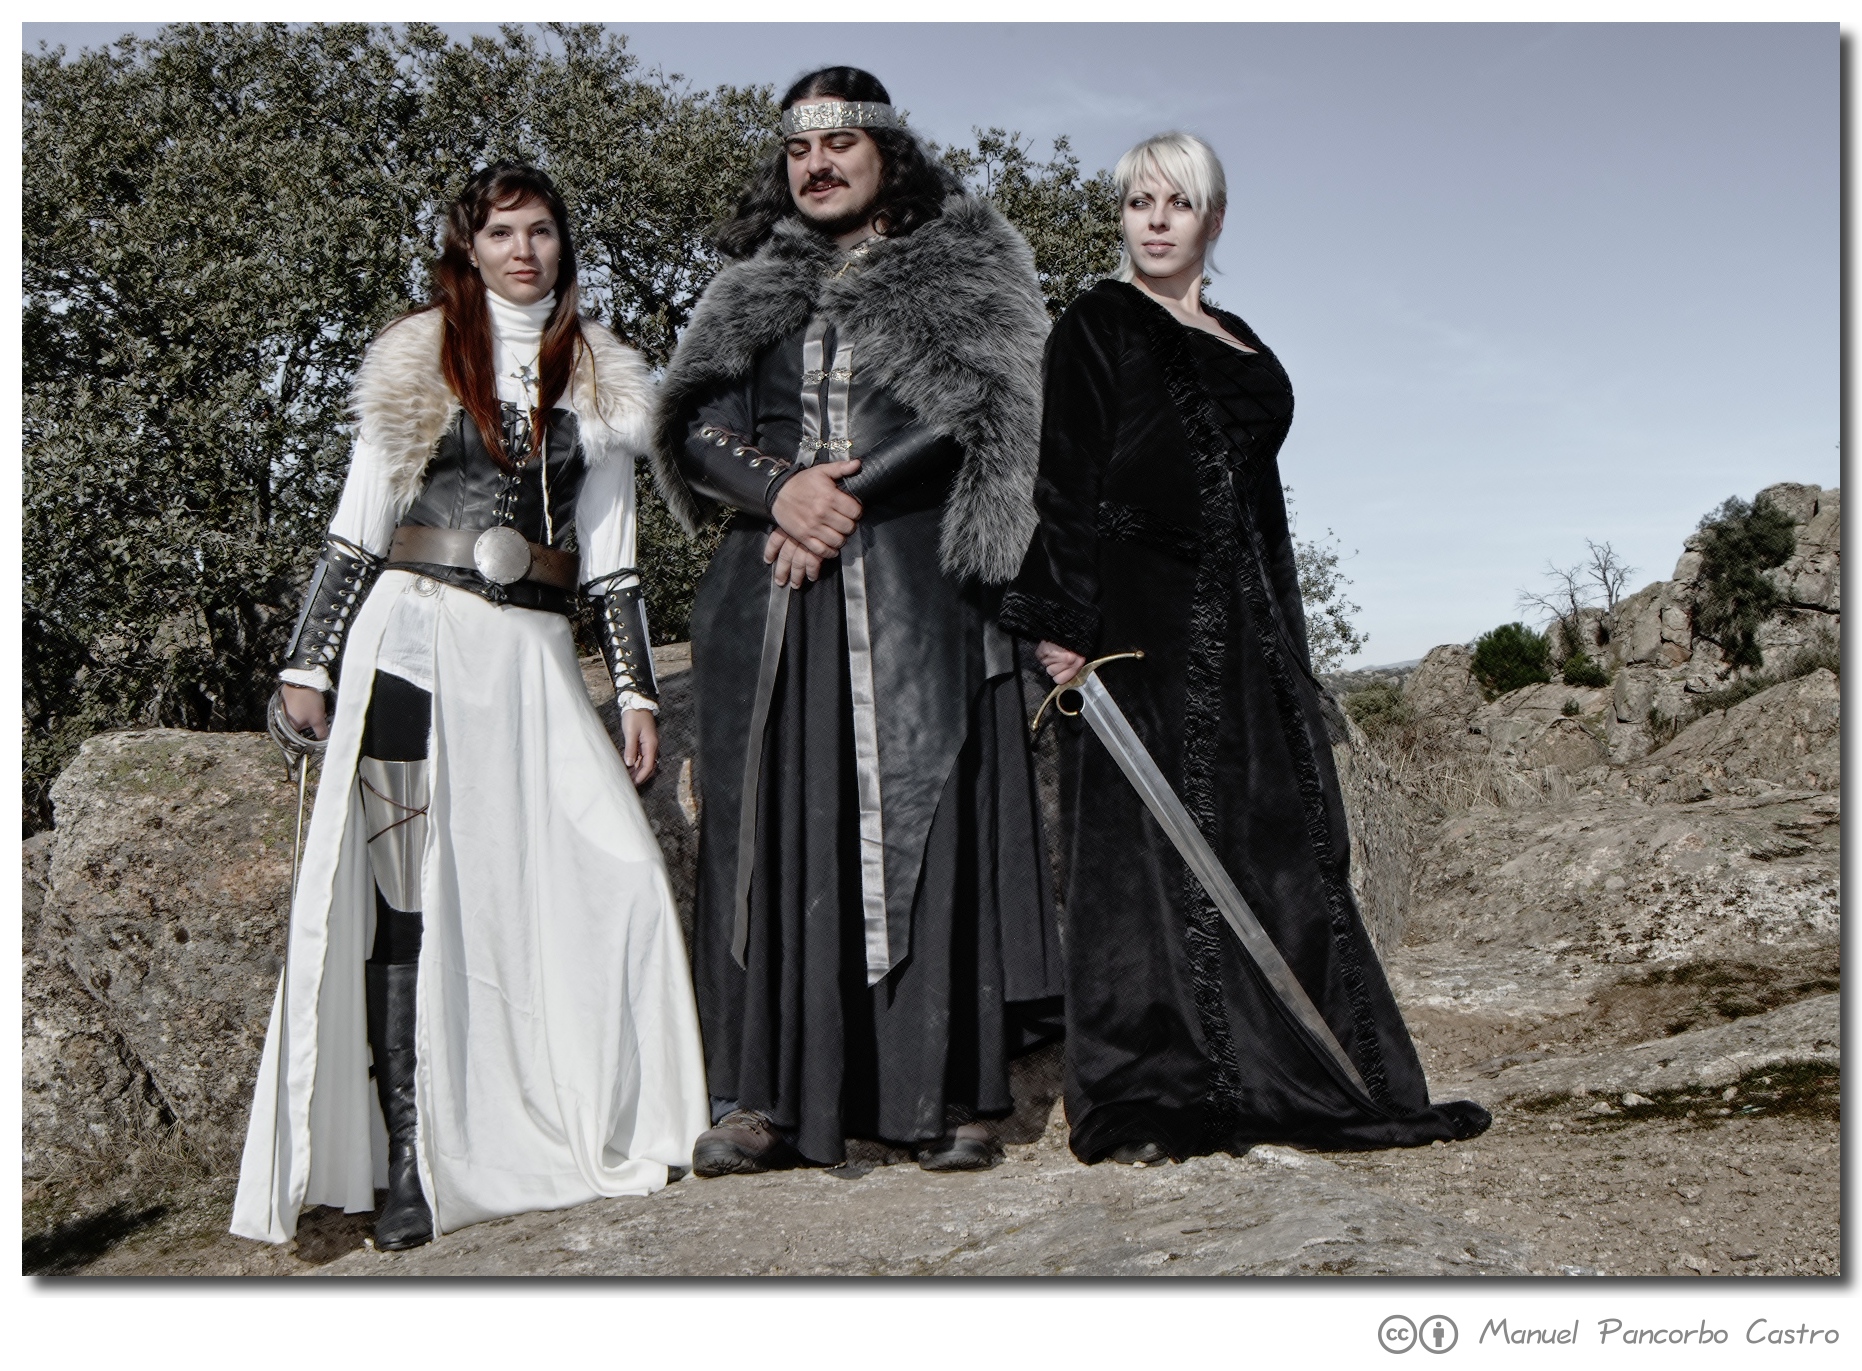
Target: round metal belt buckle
{"points": [[502, 555]]}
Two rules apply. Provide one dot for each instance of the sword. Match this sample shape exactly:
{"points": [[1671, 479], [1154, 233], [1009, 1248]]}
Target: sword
{"points": [[1121, 740], [298, 751]]}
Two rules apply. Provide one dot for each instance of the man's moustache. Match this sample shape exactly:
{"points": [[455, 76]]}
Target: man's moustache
{"points": [[815, 182]]}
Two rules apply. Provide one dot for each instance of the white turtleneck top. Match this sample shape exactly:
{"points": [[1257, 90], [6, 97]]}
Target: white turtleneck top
{"points": [[604, 508], [517, 341]]}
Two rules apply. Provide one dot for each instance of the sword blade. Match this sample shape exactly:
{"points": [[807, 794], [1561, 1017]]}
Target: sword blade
{"points": [[1121, 740], [297, 840]]}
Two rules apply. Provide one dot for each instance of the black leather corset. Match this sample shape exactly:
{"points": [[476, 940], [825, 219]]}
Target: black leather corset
{"points": [[465, 488]]}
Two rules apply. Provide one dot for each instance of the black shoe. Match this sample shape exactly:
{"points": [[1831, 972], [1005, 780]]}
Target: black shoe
{"points": [[404, 1220], [967, 1147], [1138, 1154], [743, 1143]]}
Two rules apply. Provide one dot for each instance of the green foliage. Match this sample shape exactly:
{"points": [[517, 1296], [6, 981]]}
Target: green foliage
{"points": [[1571, 709], [1739, 543], [1331, 634], [1379, 710], [1072, 224], [1509, 657], [1581, 669], [217, 220]]}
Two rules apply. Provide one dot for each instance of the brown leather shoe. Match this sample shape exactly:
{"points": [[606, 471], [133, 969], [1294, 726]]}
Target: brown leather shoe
{"points": [[743, 1142], [967, 1147]]}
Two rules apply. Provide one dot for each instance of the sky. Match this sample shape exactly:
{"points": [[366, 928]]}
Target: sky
{"points": [[1534, 284]]}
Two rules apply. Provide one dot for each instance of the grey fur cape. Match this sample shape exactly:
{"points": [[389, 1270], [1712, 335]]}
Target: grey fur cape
{"points": [[953, 316]]}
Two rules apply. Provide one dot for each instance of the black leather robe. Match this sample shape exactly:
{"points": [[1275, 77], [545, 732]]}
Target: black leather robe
{"points": [[1164, 529], [795, 1023]]}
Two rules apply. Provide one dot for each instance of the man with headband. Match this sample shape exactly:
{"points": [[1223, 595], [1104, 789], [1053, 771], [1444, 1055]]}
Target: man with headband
{"points": [[859, 392]]}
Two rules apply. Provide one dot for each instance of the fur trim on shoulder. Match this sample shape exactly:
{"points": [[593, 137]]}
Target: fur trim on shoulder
{"points": [[403, 406], [949, 319], [611, 393], [401, 402], [747, 307]]}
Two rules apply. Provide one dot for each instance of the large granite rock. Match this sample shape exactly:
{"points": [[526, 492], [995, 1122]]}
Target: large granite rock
{"points": [[1808, 1032], [1660, 667], [155, 932], [1787, 737], [86, 1103], [1546, 742], [166, 900], [1442, 689], [1549, 894], [1383, 821]]}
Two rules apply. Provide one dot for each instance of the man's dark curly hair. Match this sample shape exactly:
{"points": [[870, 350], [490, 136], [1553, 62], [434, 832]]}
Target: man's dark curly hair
{"points": [[911, 189]]}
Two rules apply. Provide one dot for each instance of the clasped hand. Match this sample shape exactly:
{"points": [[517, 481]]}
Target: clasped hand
{"points": [[814, 519]]}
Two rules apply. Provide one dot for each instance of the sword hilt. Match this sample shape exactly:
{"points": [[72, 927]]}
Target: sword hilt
{"points": [[1079, 679]]}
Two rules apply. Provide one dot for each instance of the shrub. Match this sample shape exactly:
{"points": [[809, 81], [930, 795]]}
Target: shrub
{"points": [[1572, 708], [1821, 652], [1580, 669], [1379, 709], [1740, 542], [1509, 657]]}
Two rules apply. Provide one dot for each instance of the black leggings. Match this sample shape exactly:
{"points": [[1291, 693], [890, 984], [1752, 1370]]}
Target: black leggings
{"points": [[400, 717]]}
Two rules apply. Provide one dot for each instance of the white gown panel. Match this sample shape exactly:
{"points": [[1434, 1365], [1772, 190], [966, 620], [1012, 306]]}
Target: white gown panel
{"points": [[557, 1037]]}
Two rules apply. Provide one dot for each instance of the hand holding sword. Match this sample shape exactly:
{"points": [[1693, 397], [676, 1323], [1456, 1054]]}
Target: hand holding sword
{"points": [[1147, 778]]}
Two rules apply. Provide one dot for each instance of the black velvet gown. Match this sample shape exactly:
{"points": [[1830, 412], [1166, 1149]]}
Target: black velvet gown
{"points": [[1164, 529]]}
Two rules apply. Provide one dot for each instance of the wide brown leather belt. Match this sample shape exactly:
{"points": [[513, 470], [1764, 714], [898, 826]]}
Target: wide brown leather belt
{"points": [[499, 557]]}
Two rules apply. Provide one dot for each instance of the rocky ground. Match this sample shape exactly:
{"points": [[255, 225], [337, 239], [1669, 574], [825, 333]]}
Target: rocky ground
{"points": [[1629, 952], [1687, 1184]]}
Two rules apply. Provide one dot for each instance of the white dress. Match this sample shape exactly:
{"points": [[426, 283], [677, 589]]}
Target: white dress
{"points": [[556, 1035]]}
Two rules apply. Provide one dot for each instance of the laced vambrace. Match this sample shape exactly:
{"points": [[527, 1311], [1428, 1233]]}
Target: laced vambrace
{"points": [[624, 643], [337, 584], [729, 469]]}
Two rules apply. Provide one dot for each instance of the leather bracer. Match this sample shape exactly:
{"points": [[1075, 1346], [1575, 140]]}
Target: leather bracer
{"points": [[724, 467], [898, 461], [624, 643], [338, 582]]}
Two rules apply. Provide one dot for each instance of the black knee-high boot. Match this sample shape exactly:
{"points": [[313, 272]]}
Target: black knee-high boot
{"points": [[405, 1220]]}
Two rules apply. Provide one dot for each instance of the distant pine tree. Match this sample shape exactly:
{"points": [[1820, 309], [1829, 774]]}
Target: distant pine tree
{"points": [[1732, 597]]}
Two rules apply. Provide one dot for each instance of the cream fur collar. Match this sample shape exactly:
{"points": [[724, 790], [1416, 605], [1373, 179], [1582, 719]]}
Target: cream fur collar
{"points": [[402, 404]]}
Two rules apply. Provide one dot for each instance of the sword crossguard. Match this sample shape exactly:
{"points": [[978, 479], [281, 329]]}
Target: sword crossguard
{"points": [[1079, 679]]}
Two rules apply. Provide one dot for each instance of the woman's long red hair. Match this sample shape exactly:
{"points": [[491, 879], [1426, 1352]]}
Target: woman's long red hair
{"points": [[459, 294]]}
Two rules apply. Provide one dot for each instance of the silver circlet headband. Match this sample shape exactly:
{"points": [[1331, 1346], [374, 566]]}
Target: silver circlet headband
{"points": [[837, 114]]}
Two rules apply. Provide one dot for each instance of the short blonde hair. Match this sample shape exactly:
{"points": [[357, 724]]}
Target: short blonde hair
{"points": [[1181, 161]]}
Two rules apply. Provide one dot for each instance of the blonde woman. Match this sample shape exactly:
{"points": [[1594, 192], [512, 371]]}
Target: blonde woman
{"points": [[1164, 530]]}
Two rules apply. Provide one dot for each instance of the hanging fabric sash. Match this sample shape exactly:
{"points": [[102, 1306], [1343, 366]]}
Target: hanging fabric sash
{"points": [[826, 428]]}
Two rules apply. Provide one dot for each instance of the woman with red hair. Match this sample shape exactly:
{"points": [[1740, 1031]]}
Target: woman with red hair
{"points": [[483, 912]]}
